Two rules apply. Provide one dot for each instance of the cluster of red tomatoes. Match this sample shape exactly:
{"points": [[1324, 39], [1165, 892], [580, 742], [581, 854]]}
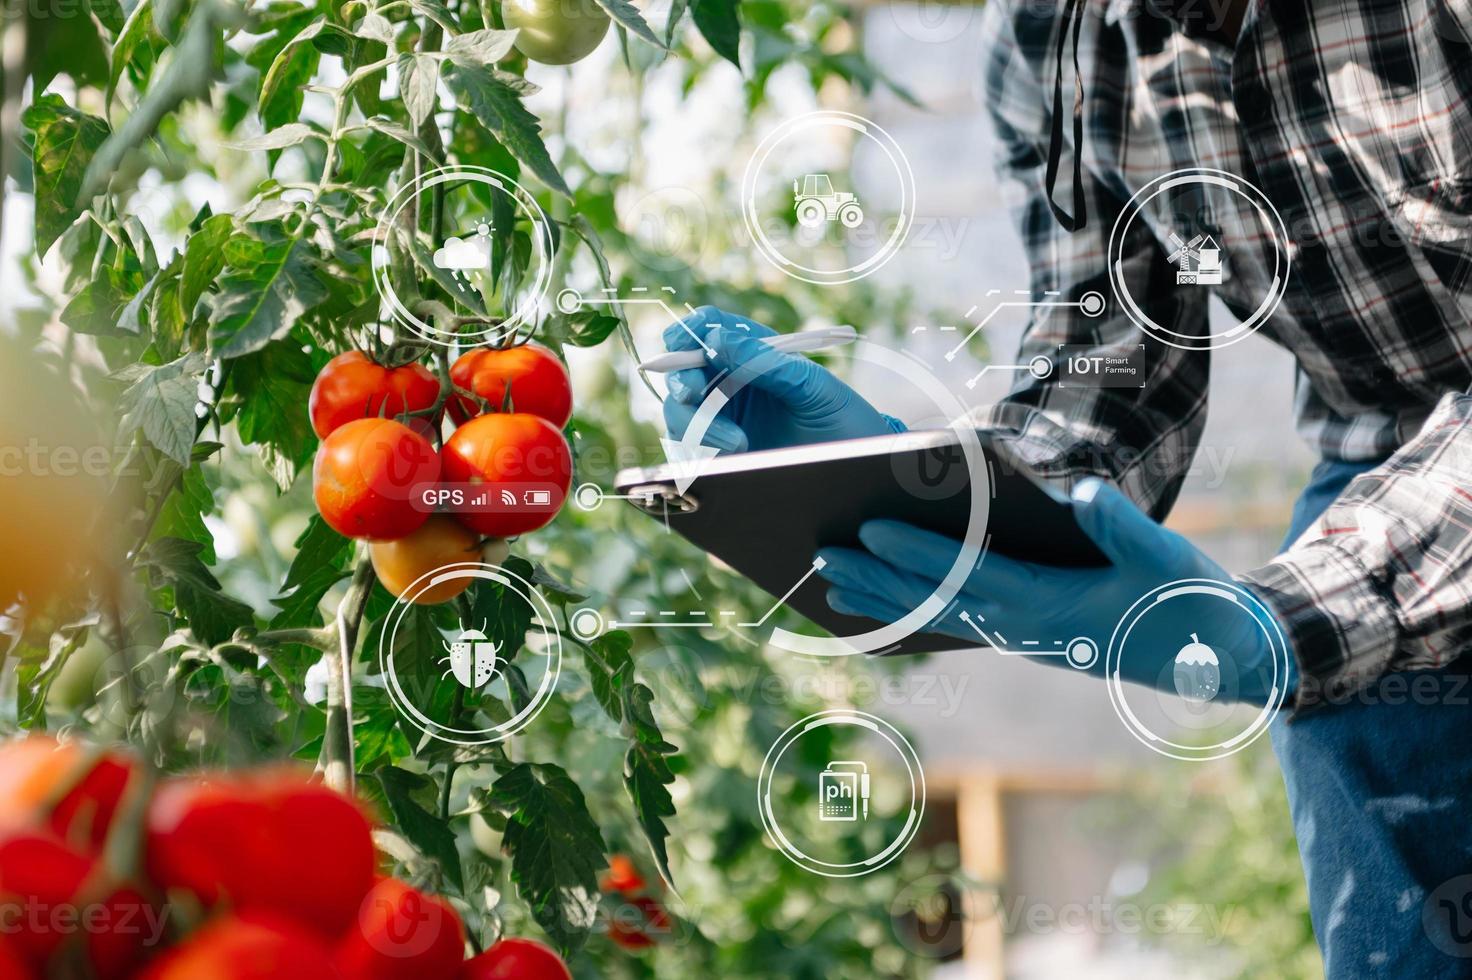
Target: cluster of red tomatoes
{"points": [[379, 476], [259, 875]]}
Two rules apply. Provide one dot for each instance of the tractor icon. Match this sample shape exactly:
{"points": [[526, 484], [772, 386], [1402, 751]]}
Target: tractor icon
{"points": [[816, 201]]}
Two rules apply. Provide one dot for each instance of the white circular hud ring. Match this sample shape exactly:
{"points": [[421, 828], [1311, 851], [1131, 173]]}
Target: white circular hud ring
{"points": [[887, 145], [973, 545], [887, 732], [470, 736], [1272, 224], [525, 312], [1251, 606]]}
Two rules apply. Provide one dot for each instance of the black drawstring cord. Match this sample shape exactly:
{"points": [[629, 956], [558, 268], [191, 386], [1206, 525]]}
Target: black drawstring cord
{"points": [[1073, 16]]}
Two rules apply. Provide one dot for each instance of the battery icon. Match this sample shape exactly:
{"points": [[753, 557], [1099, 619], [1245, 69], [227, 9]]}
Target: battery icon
{"points": [[537, 498]]}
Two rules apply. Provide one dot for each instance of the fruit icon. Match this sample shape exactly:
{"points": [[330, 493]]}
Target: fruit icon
{"points": [[1198, 674]]}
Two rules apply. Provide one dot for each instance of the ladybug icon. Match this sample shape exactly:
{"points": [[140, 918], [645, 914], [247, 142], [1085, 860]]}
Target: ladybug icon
{"points": [[473, 659]]}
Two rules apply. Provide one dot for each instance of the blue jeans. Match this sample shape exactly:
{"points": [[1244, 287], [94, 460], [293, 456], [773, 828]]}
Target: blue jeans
{"points": [[1380, 789]]}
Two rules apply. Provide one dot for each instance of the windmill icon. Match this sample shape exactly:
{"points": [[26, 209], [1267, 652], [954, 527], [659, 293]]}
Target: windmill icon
{"points": [[1198, 262]]}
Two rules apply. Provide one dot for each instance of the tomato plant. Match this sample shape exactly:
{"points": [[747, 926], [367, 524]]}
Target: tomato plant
{"points": [[231, 417]]}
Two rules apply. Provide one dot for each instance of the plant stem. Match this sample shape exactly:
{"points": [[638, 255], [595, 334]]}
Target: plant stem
{"points": [[336, 762], [451, 766]]}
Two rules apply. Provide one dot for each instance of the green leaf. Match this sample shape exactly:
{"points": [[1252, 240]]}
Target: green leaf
{"points": [[393, 130], [279, 138], [556, 849], [375, 27], [506, 614], [493, 98], [187, 76], [183, 513], [672, 22], [322, 558], [212, 616], [137, 28], [274, 385], [429, 833], [61, 40], [161, 401], [719, 22], [479, 48], [558, 591], [590, 328], [65, 141], [419, 77], [628, 16], [268, 288], [204, 257], [282, 90], [647, 774], [436, 12], [607, 657]]}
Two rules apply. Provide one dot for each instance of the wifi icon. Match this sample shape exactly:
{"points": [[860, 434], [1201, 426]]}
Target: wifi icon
{"points": [[508, 499]]}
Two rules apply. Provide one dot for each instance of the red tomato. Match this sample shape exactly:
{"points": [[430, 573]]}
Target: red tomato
{"points": [[623, 876], [364, 477], [352, 387], [538, 380], [638, 922], [402, 934], [516, 959], [33, 772], [247, 947], [517, 453], [52, 895], [269, 841], [12, 967]]}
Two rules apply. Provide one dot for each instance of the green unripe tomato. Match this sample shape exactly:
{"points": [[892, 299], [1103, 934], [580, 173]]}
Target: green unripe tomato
{"points": [[556, 32]]}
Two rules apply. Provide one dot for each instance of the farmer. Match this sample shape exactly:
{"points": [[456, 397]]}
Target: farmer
{"points": [[1353, 120]]}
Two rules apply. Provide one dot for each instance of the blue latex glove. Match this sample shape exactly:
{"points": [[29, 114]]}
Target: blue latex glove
{"points": [[904, 564], [788, 400]]}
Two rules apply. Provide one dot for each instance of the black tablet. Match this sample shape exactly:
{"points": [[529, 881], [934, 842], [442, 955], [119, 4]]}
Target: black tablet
{"points": [[767, 513]]}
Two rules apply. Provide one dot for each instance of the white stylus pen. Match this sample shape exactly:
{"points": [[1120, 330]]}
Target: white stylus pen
{"points": [[791, 343]]}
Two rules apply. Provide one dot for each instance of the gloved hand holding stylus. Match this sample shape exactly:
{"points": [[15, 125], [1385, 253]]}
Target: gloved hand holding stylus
{"points": [[787, 399]]}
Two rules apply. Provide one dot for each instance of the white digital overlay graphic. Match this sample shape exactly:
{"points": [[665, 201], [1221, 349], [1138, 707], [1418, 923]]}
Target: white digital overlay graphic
{"points": [[469, 659], [1199, 258], [462, 259], [844, 788], [815, 203], [1200, 670]]}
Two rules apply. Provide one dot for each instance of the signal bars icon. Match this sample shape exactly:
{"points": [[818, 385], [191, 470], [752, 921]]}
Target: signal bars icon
{"points": [[508, 498]]}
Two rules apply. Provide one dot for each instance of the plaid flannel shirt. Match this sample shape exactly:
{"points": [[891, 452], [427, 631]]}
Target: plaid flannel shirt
{"points": [[1353, 118]]}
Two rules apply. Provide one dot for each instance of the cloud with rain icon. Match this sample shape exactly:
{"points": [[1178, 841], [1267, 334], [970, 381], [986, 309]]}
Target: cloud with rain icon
{"points": [[461, 257]]}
